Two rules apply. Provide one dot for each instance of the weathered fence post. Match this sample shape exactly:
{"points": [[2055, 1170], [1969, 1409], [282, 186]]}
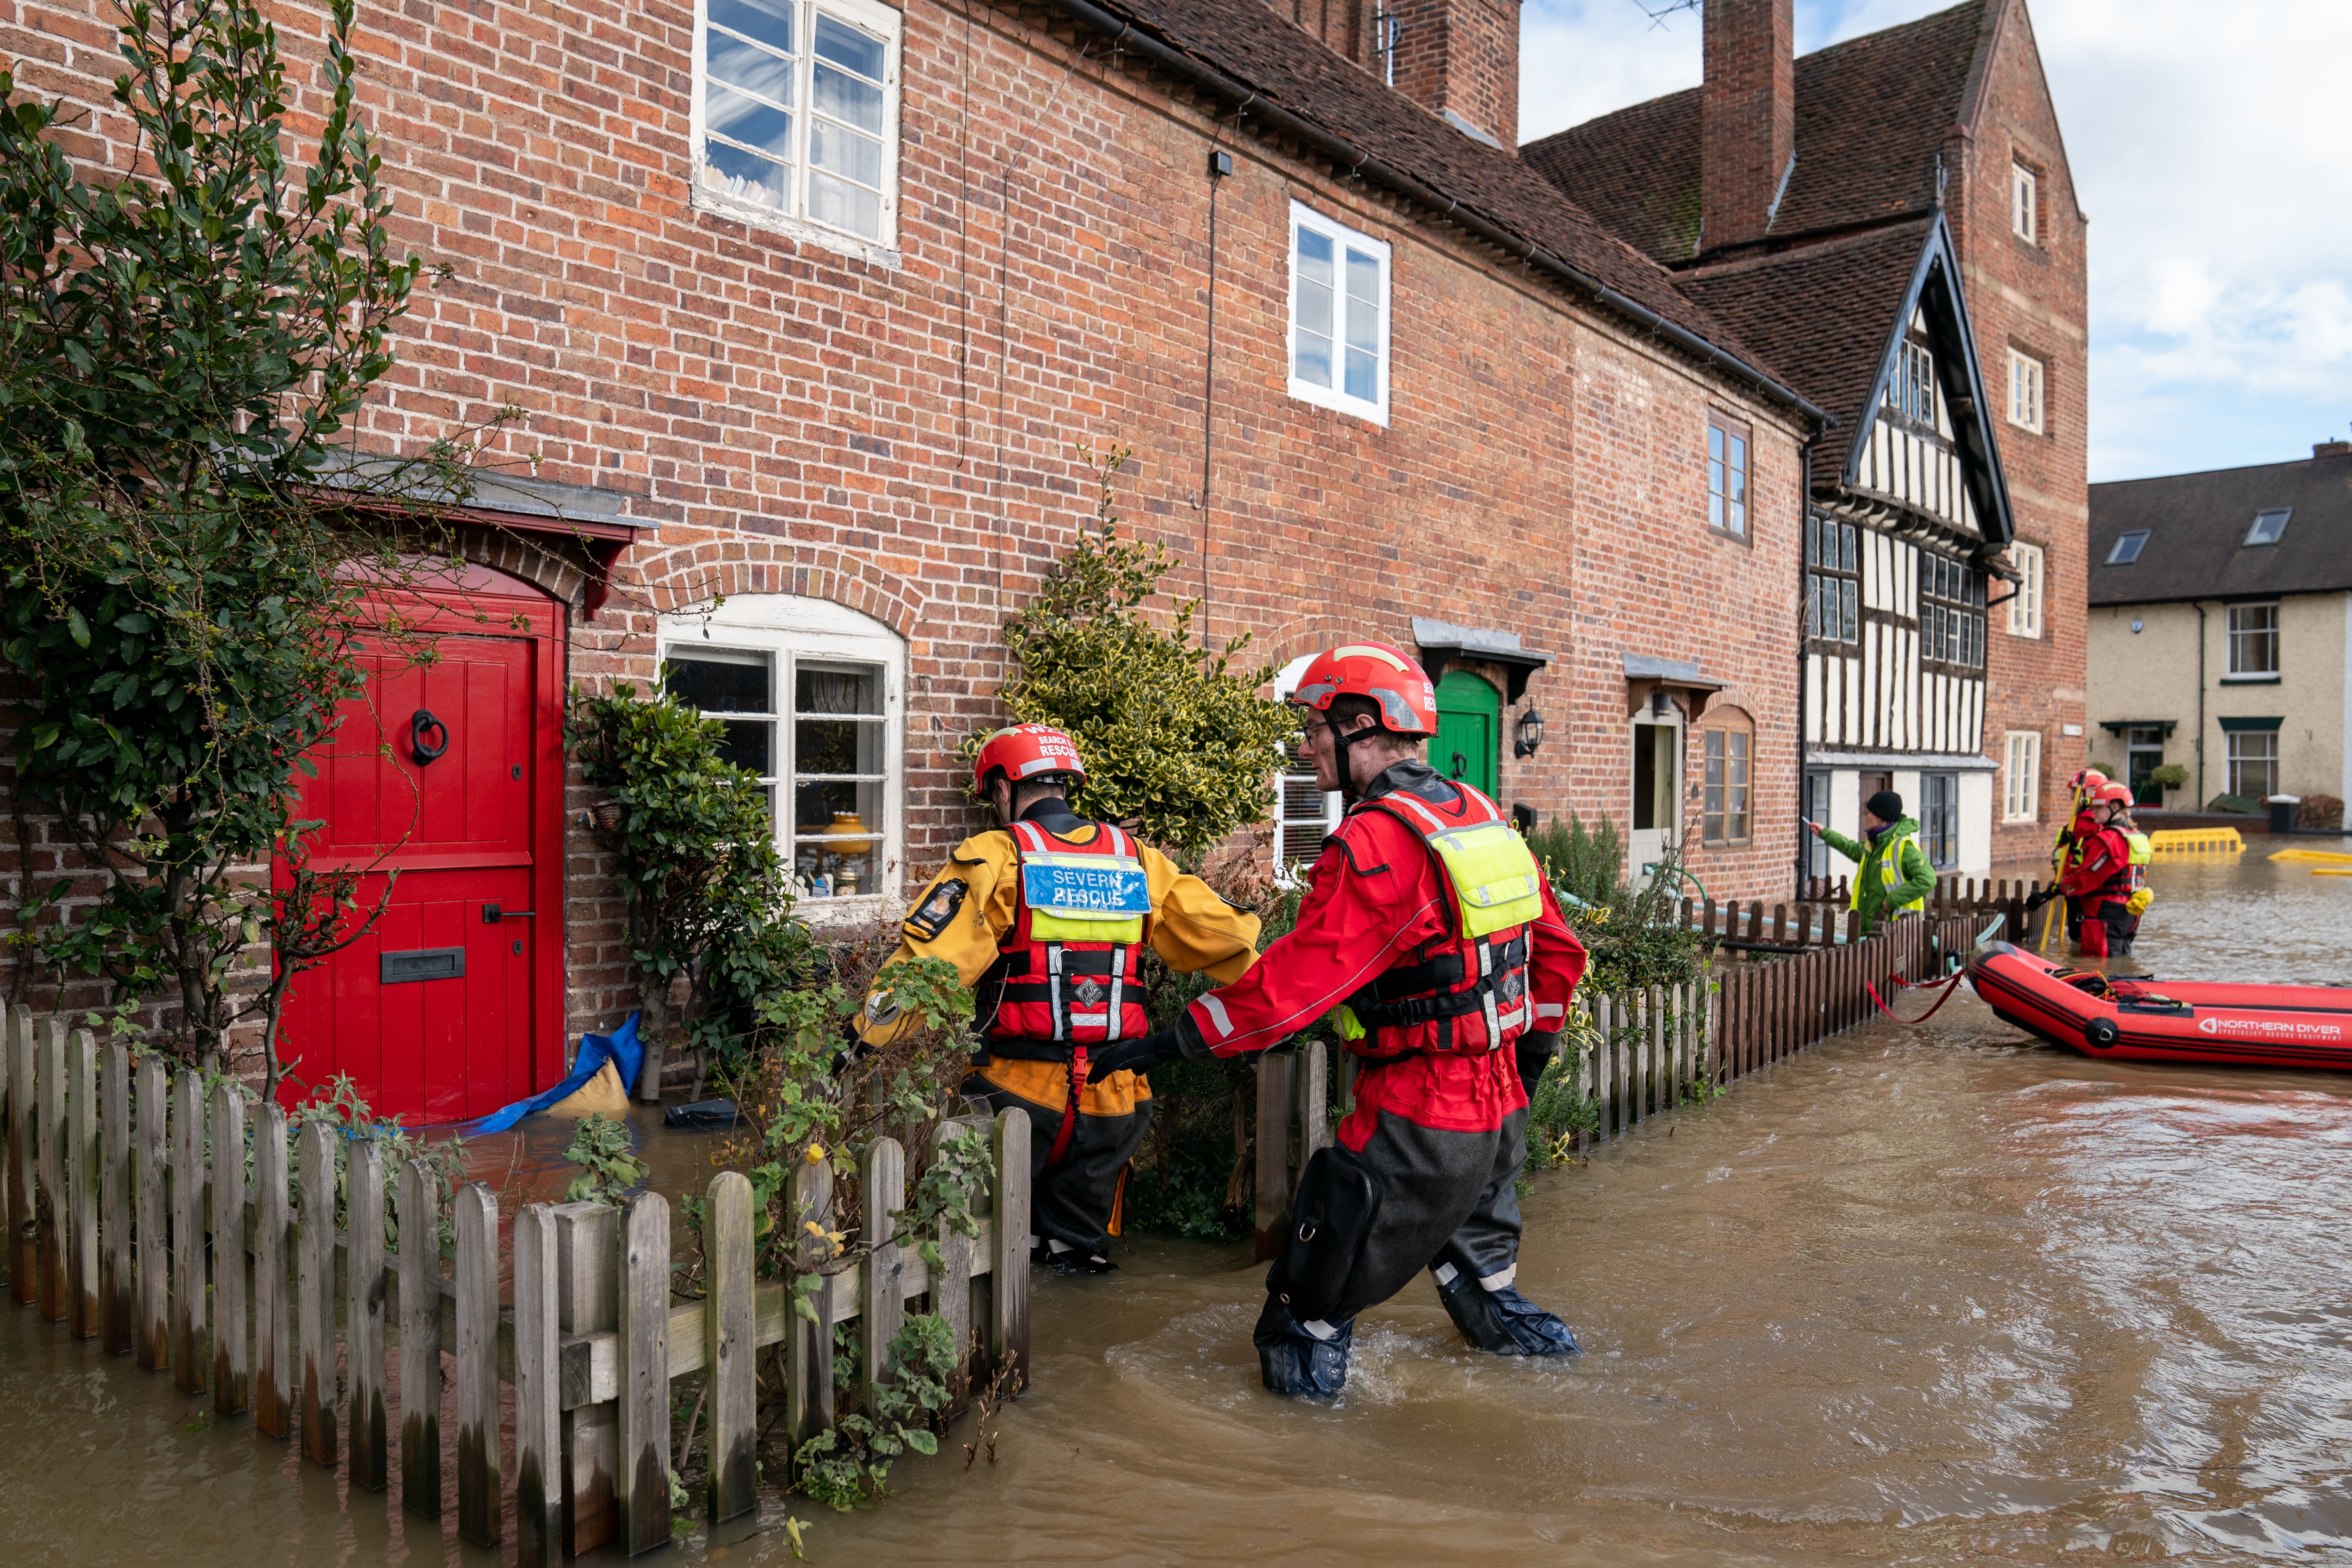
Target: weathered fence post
{"points": [[1009, 1282], [114, 1199], [951, 1291], [188, 1231], [1272, 1142], [419, 1201], [539, 1460], [729, 1347], [641, 1488], [49, 1069], [272, 1409], [24, 1234], [82, 1187], [809, 1359], [478, 1364], [883, 1193], [152, 1338], [587, 1259], [1314, 1088], [229, 1366], [363, 1310], [314, 1293]]}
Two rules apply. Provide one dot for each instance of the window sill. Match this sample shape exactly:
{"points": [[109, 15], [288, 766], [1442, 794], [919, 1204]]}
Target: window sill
{"points": [[1734, 538], [799, 230], [2251, 680], [2022, 637], [845, 909], [1339, 403], [2018, 821]]}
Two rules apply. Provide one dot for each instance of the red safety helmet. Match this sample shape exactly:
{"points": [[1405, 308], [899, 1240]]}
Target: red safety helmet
{"points": [[2113, 794], [2090, 781], [1026, 752], [1386, 675]]}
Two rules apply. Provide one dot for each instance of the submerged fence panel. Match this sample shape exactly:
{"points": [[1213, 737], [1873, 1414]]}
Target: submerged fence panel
{"points": [[124, 1229]]}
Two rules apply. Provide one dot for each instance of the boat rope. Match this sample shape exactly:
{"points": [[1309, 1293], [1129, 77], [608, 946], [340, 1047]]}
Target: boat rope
{"points": [[1948, 986]]}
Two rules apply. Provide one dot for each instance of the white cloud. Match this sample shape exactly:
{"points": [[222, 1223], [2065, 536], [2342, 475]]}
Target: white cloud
{"points": [[2212, 149]]}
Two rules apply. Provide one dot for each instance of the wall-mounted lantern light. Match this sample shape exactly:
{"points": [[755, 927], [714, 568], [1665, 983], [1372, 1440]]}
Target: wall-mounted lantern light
{"points": [[1530, 733]]}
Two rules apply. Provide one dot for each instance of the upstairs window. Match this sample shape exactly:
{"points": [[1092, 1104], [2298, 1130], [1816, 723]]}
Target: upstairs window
{"points": [[1951, 613], [1913, 396], [796, 113], [2269, 526], [2024, 391], [2025, 605], [1727, 475], [2126, 547], [1338, 317], [2021, 775], [2254, 640], [1725, 745], [2024, 190], [1832, 582]]}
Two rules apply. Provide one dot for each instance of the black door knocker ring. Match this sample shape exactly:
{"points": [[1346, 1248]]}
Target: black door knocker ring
{"points": [[417, 727]]}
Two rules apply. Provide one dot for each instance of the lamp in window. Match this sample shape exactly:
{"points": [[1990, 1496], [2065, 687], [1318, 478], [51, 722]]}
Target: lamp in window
{"points": [[1530, 731]]}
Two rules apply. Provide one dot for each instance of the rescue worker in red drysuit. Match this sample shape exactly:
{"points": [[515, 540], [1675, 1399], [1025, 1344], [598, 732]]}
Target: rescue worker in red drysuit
{"points": [[2100, 878], [1046, 919], [2067, 851], [1458, 1028]]}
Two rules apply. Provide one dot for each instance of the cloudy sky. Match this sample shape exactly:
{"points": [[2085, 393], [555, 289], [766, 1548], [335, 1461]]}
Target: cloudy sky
{"points": [[2211, 146]]}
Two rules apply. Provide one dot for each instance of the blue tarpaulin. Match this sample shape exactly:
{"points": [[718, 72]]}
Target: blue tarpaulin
{"points": [[620, 1048]]}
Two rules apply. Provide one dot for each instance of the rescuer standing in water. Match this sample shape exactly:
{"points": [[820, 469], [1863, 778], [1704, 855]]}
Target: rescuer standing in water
{"points": [[2108, 877], [1429, 921], [1046, 920]]}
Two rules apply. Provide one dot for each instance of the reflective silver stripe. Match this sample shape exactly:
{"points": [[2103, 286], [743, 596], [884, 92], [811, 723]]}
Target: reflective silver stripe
{"points": [[1446, 1273], [1027, 833], [1054, 985], [1486, 999], [1077, 1018], [1118, 977], [1547, 1011], [1500, 1282], [1320, 1328], [1216, 1012]]}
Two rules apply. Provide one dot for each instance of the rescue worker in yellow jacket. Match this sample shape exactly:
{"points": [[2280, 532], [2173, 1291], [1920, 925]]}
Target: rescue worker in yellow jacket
{"points": [[1046, 919]]}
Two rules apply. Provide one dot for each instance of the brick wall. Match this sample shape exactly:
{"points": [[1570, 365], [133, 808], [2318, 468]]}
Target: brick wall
{"points": [[1345, 26], [899, 434], [1747, 115], [2031, 296], [1463, 56]]}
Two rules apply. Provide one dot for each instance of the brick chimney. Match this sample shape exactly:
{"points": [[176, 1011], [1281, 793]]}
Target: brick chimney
{"points": [[1344, 25], [1748, 117], [1458, 58], [2337, 448]]}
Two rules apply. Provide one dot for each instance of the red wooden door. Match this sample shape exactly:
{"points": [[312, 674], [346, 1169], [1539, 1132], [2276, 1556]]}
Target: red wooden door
{"points": [[452, 1005]]}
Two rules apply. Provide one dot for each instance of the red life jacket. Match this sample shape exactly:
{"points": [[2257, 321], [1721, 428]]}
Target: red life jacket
{"points": [[1462, 974], [1057, 983]]}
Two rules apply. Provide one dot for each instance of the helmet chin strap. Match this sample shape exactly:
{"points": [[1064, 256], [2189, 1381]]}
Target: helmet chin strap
{"points": [[1340, 742]]}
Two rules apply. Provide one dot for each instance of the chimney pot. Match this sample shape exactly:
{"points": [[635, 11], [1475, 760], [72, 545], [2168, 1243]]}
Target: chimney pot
{"points": [[1748, 117], [2331, 448]]}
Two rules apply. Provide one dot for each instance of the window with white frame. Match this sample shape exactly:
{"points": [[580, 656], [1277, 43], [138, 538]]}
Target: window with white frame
{"points": [[2024, 189], [1726, 475], [812, 696], [2022, 776], [2025, 604], [1303, 814], [1912, 392], [1338, 316], [2253, 763], [796, 113], [2254, 640], [2024, 391]]}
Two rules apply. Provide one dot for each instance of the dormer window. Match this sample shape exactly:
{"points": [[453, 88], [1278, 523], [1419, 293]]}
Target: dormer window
{"points": [[2269, 525], [1913, 396], [2128, 547]]}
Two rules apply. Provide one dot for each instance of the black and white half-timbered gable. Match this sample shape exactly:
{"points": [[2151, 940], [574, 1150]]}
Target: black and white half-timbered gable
{"points": [[1905, 525]]}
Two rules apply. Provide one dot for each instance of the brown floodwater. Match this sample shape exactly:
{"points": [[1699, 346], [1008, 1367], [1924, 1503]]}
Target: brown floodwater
{"points": [[1927, 1295]]}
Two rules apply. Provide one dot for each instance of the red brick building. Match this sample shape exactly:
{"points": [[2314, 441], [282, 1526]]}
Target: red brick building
{"points": [[809, 306], [1891, 220]]}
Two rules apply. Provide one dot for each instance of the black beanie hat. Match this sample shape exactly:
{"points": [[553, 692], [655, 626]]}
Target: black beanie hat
{"points": [[1885, 805]]}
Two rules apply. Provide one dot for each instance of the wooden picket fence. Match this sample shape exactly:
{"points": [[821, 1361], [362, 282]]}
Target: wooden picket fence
{"points": [[110, 1200]]}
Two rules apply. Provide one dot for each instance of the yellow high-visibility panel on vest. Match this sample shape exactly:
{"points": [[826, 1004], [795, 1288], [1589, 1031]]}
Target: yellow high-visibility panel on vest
{"points": [[1890, 876], [1496, 882]]}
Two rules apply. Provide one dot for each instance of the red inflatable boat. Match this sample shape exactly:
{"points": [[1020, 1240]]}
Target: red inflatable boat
{"points": [[2166, 1020]]}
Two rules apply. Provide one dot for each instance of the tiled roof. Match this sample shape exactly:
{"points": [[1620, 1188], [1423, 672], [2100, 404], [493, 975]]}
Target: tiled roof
{"points": [[1289, 69], [1871, 114], [2197, 525], [1828, 311]]}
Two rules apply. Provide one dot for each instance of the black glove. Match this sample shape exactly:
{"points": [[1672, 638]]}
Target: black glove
{"points": [[1535, 1052], [2036, 901], [1133, 1056]]}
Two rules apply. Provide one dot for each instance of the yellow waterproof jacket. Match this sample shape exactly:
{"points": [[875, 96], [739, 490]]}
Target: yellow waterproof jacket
{"points": [[974, 903]]}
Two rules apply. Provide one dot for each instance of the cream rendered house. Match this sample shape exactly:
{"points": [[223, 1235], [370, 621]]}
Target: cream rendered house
{"points": [[2220, 629]]}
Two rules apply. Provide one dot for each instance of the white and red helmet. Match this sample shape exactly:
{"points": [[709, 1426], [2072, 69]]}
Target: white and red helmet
{"points": [[2111, 793], [1023, 752], [1387, 675]]}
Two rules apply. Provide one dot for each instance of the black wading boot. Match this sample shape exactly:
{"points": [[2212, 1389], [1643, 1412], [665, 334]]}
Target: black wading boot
{"points": [[1503, 1320], [1304, 1360]]}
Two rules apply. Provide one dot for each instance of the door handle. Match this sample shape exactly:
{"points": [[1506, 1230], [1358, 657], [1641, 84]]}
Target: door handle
{"points": [[1460, 765], [493, 913], [418, 749]]}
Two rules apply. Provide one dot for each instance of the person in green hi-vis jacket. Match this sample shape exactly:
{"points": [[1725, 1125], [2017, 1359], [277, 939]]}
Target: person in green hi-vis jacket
{"points": [[1891, 871]]}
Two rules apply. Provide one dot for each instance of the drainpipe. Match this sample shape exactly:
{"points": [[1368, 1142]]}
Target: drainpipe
{"points": [[1804, 556], [2199, 803]]}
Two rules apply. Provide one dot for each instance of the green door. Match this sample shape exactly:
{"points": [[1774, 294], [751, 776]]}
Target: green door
{"points": [[1469, 730]]}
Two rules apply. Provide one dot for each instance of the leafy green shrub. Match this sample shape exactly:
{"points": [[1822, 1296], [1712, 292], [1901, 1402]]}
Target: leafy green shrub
{"points": [[1586, 864], [344, 1112], [2245, 805], [1557, 1112], [609, 1167], [847, 1465], [708, 895], [2171, 775], [1176, 741]]}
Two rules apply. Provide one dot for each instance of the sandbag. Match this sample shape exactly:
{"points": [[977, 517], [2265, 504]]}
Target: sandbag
{"points": [[602, 1095]]}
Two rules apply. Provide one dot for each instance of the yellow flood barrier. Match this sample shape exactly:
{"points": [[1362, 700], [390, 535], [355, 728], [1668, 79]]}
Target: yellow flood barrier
{"points": [[2332, 870], [2331, 857], [2177, 839]]}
